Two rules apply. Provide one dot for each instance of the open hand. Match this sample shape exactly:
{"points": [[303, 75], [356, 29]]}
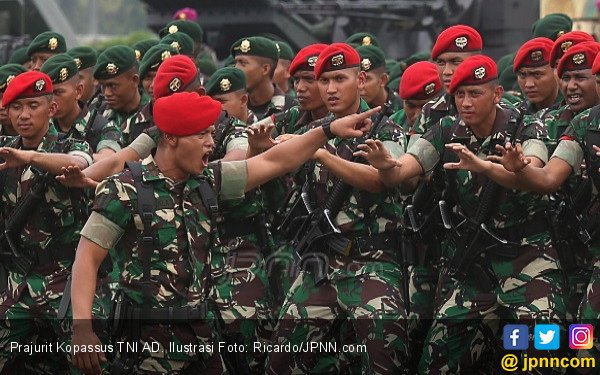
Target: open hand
{"points": [[512, 157], [377, 155], [467, 159], [74, 177]]}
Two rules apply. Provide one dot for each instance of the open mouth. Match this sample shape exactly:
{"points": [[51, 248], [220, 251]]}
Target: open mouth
{"points": [[574, 99], [206, 158]]}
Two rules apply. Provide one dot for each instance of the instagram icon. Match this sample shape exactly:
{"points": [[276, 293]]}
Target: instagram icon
{"points": [[581, 336]]}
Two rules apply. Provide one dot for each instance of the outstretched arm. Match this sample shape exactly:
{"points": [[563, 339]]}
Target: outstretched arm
{"points": [[51, 162]]}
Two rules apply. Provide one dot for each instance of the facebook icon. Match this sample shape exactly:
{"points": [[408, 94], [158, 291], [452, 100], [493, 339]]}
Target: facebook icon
{"points": [[516, 337]]}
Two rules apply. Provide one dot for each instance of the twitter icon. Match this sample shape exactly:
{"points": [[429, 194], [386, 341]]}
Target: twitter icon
{"points": [[546, 337]]}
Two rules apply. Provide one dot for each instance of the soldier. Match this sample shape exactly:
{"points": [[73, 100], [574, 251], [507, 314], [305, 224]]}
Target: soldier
{"points": [[117, 73], [566, 41], [228, 86], [577, 144], [257, 57], [7, 73], [42, 218], [85, 59], [451, 48], [535, 76], [281, 77], [150, 63], [374, 91], [517, 278], [44, 46], [191, 29], [181, 42], [368, 220], [420, 84], [552, 26], [172, 286], [71, 118]]}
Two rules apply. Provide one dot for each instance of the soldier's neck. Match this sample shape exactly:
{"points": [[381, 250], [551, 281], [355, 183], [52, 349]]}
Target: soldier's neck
{"points": [[134, 104], [32, 143], [484, 129], [65, 123], [350, 110], [548, 102], [380, 99], [319, 113], [165, 162], [261, 94]]}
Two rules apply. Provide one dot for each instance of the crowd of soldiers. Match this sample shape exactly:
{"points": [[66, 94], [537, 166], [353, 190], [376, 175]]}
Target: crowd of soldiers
{"points": [[331, 195]]}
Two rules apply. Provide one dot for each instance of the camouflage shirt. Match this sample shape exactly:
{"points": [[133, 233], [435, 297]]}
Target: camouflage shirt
{"points": [[131, 124], [513, 207], [278, 103], [556, 121], [100, 135], [434, 111], [55, 224], [230, 134]]}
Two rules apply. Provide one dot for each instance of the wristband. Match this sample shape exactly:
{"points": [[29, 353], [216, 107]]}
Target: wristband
{"points": [[327, 130]]}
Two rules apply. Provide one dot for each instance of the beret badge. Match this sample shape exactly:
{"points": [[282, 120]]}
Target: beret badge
{"points": [[461, 42], [64, 73], [479, 72], [245, 46], [112, 69], [566, 45], [578, 58], [175, 84], [536, 55], [138, 55], [225, 84], [312, 61], [39, 85], [52, 43], [337, 60], [173, 29], [365, 64], [77, 62], [429, 88], [366, 41]]}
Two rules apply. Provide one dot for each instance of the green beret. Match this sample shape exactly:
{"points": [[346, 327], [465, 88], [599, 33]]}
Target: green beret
{"points": [[154, 57], [552, 26], [19, 56], [142, 47], [390, 64], [8, 72], [225, 80], [192, 29], [285, 50], [362, 39], [60, 68], [229, 61], [206, 65], [505, 61], [85, 57], [508, 78], [181, 42], [48, 41], [255, 46], [371, 57], [419, 56], [397, 70], [114, 61], [394, 84]]}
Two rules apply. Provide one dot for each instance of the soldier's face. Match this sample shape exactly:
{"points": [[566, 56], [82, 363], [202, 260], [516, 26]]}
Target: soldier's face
{"points": [[580, 89], [281, 77], [373, 86], [412, 109], [252, 68], [38, 59], [147, 82], [30, 116], [339, 90], [192, 152], [87, 81], [307, 91], [476, 103], [447, 63], [120, 91], [234, 103], [66, 95], [538, 84]]}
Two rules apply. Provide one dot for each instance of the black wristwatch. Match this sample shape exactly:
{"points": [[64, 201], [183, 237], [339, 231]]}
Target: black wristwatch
{"points": [[327, 130]]}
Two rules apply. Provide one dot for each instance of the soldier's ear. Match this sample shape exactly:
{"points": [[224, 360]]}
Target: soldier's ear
{"points": [[244, 99], [498, 92], [385, 78], [362, 77], [52, 107], [201, 90], [79, 90]]}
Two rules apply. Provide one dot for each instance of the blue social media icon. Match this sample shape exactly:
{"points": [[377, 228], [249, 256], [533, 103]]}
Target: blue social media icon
{"points": [[516, 337], [546, 337]]}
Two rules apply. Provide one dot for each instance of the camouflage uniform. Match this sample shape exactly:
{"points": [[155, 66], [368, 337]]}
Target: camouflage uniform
{"points": [[239, 283], [524, 277], [434, 111], [51, 234], [528, 108], [573, 148], [179, 261], [278, 103], [131, 125], [363, 287], [394, 101]]}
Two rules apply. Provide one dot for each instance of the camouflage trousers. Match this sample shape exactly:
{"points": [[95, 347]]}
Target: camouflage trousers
{"points": [[241, 290], [589, 312], [373, 304], [464, 336]]}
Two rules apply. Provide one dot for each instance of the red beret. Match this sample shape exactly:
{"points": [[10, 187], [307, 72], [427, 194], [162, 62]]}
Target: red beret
{"points": [[170, 117], [336, 56], [459, 38], [533, 53], [306, 58], [566, 41], [174, 75], [579, 57], [420, 81], [27, 85], [475, 70], [596, 65]]}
